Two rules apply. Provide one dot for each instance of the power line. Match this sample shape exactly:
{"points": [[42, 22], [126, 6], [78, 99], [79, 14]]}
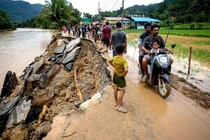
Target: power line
{"points": [[114, 5], [107, 5], [119, 6]]}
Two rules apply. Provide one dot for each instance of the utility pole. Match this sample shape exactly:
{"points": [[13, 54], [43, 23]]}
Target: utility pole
{"points": [[99, 11], [122, 12]]}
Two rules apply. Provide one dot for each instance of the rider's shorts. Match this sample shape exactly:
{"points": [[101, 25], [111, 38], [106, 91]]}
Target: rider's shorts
{"points": [[149, 57], [141, 53]]}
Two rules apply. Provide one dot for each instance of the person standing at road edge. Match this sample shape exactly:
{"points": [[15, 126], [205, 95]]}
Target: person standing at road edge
{"points": [[118, 37], [106, 35], [120, 70]]}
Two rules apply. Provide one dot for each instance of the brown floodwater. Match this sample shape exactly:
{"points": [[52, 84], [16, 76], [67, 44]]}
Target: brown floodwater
{"points": [[19, 48]]}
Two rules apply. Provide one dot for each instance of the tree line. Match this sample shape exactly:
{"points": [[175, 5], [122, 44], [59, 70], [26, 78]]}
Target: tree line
{"points": [[5, 22], [56, 13], [53, 15], [177, 11], [183, 11]]}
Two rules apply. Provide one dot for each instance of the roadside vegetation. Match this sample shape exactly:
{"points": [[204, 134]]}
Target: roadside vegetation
{"points": [[200, 45], [181, 32], [5, 22], [57, 13]]}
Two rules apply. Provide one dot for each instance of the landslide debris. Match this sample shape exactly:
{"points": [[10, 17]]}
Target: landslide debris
{"points": [[68, 73]]}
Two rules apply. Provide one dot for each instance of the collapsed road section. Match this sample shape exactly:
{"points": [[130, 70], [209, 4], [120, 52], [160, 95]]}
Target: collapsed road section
{"points": [[68, 73]]}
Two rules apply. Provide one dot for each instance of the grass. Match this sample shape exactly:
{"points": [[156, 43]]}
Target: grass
{"points": [[133, 43], [195, 33], [202, 26], [200, 45], [197, 54]]}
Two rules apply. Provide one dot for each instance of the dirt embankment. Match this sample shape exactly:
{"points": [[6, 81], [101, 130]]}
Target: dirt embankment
{"points": [[52, 86], [200, 97]]}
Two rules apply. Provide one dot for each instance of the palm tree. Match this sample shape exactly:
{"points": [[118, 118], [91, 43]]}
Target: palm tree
{"points": [[55, 14]]}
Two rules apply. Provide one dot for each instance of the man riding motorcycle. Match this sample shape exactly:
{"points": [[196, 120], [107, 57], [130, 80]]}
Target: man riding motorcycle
{"points": [[146, 46]]}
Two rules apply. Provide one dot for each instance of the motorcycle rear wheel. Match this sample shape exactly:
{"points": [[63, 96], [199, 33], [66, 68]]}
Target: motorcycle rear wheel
{"points": [[164, 88]]}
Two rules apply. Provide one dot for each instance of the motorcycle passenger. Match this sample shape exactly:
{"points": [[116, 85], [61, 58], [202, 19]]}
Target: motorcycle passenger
{"points": [[146, 46], [147, 28], [155, 49]]}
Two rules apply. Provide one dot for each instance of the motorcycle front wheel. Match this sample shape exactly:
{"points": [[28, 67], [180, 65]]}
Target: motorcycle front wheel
{"points": [[164, 88]]}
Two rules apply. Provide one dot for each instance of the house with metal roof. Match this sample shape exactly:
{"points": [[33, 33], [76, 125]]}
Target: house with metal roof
{"points": [[138, 22], [113, 20]]}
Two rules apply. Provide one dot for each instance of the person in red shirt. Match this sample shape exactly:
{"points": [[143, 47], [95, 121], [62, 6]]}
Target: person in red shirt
{"points": [[106, 35], [93, 29]]}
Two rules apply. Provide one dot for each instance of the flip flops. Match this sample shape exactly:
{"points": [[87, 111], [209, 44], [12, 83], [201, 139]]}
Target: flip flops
{"points": [[121, 109]]}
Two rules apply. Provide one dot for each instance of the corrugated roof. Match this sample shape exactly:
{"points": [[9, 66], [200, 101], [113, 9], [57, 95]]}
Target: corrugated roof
{"points": [[116, 18], [146, 19]]}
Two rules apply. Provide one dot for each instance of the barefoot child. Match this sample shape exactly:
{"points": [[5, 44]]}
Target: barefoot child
{"points": [[120, 70]]}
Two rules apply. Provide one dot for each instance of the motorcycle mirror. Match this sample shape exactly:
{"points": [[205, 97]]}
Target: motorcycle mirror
{"points": [[173, 45]]}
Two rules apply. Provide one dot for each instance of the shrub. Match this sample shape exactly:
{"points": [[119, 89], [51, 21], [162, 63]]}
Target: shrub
{"points": [[192, 26]]}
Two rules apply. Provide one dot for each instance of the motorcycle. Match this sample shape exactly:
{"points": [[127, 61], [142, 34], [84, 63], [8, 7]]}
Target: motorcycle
{"points": [[160, 69]]}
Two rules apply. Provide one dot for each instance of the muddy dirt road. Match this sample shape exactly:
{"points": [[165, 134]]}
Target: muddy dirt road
{"points": [[149, 116]]}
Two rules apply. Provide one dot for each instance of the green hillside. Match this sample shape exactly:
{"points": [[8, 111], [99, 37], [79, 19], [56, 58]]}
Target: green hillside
{"points": [[181, 11], [20, 10]]}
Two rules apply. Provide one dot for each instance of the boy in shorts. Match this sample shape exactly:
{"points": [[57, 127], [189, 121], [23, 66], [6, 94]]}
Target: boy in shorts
{"points": [[120, 70]]}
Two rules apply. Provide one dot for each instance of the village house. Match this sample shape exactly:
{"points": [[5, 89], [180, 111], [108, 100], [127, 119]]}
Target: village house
{"points": [[138, 22], [113, 20], [130, 22]]}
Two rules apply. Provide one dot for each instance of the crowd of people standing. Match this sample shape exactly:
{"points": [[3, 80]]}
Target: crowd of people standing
{"points": [[84, 30], [117, 42]]}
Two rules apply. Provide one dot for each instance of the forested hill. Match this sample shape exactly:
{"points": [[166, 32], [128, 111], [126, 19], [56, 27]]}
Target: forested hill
{"points": [[20, 10], [177, 10]]}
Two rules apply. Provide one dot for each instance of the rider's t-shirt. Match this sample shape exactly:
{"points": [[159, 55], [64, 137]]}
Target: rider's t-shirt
{"points": [[150, 39], [142, 37]]}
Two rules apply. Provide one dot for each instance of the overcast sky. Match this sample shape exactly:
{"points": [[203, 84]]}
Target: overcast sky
{"points": [[91, 6]]}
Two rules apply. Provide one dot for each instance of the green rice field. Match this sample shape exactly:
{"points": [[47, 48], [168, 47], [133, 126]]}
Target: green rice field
{"points": [[199, 40]]}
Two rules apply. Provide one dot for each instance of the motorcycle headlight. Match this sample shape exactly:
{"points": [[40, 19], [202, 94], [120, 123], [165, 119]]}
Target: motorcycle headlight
{"points": [[163, 60]]}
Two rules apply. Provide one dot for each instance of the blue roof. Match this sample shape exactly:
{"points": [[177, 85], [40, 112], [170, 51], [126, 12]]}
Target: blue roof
{"points": [[145, 19]]}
